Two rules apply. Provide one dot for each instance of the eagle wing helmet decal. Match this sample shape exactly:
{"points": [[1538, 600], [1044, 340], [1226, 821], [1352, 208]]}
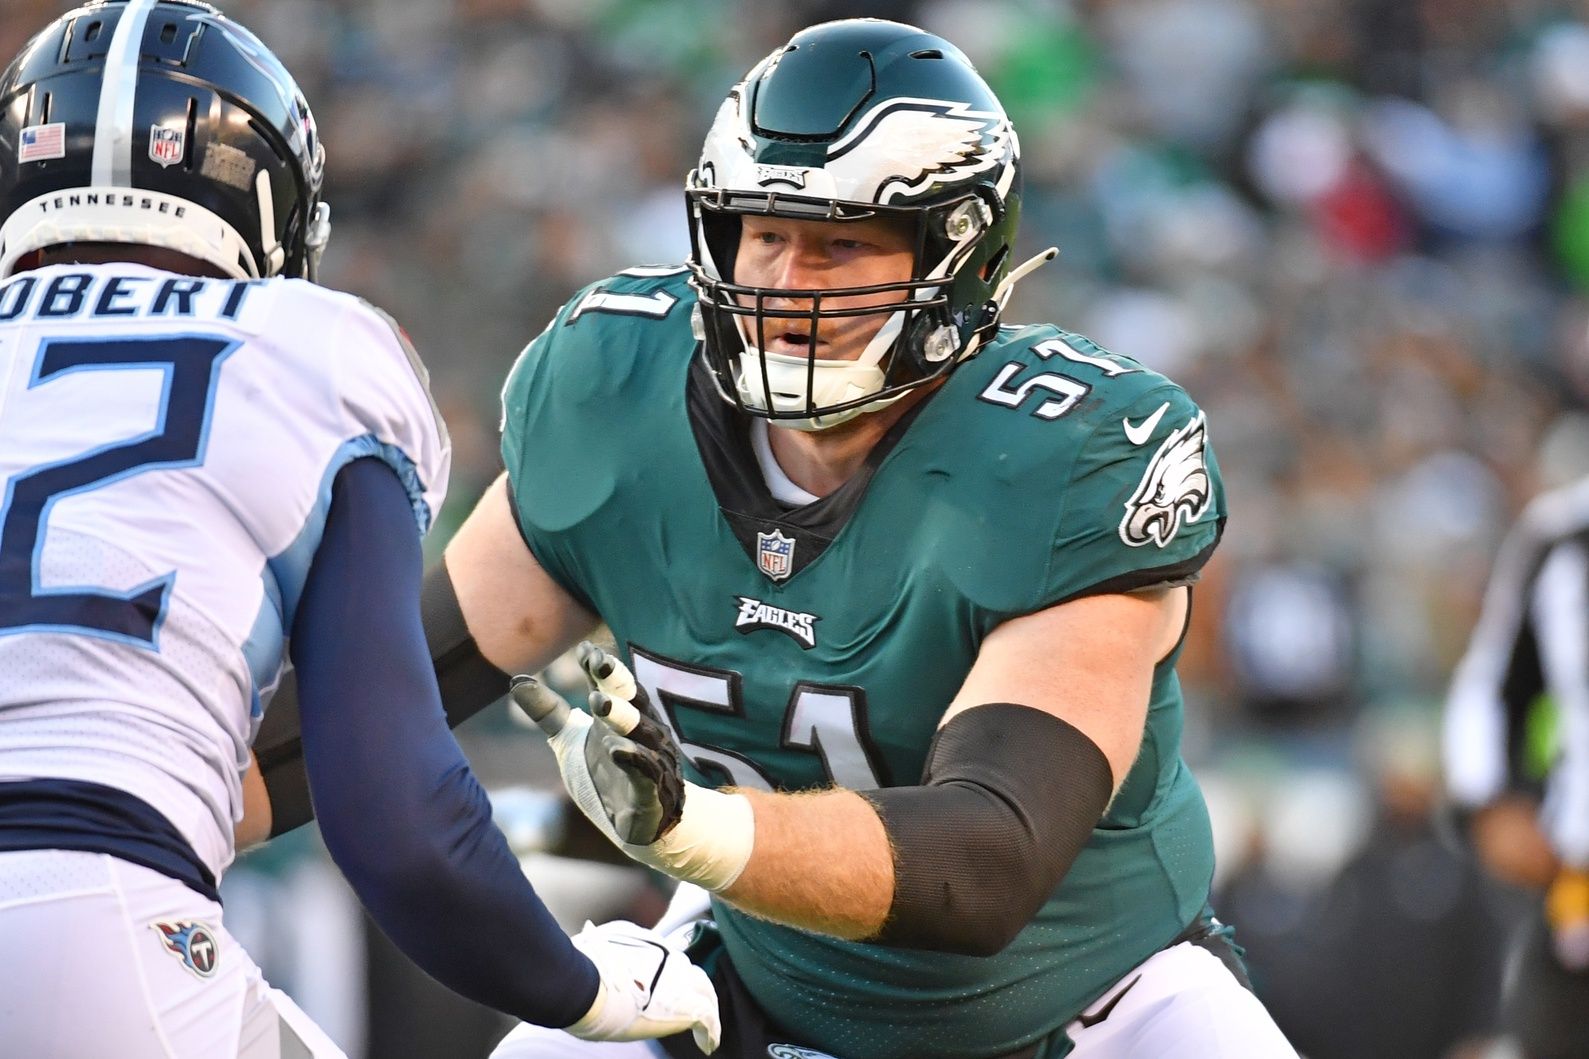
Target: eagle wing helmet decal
{"points": [[923, 139], [1175, 488]]}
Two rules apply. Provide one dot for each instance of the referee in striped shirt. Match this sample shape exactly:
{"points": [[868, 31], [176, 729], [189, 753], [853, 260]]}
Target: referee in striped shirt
{"points": [[1516, 749]]}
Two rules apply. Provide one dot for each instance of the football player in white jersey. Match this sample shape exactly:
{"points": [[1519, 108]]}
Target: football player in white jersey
{"points": [[208, 464]]}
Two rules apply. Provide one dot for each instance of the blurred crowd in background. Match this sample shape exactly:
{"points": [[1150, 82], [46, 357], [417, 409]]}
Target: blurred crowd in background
{"points": [[1357, 231]]}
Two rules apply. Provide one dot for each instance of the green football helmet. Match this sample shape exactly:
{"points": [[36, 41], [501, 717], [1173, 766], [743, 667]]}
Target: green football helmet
{"points": [[851, 120]]}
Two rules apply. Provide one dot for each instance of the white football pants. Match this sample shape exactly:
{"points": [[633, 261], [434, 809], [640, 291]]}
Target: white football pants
{"points": [[1181, 1003], [100, 957]]}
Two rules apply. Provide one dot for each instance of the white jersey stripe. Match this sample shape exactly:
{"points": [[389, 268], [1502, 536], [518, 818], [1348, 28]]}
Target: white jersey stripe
{"points": [[112, 164], [1561, 616], [1475, 721]]}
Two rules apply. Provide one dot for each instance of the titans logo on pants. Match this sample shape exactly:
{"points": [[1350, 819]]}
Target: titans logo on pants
{"points": [[193, 943]]}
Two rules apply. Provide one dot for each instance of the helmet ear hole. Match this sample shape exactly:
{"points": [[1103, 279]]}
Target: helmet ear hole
{"points": [[995, 264]]}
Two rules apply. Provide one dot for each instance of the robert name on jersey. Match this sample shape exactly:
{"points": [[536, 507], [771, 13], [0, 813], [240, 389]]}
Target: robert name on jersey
{"points": [[103, 295]]}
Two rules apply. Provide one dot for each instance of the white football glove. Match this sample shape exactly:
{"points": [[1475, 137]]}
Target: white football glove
{"points": [[622, 770], [649, 988]]}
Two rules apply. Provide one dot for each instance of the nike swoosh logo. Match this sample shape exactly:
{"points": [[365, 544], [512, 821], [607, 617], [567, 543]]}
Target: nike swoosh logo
{"points": [[1089, 1021], [1139, 434], [635, 943]]}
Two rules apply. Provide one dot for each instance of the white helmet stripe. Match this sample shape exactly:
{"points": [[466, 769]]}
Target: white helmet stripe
{"points": [[113, 127]]}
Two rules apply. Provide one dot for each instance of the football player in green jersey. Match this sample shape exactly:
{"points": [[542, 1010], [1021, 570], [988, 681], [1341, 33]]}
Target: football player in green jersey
{"points": [[905, 585], [911, 617]]}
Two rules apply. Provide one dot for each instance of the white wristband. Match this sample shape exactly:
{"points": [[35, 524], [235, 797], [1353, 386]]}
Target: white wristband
{"points": [[591, 1026], [711, 843]]}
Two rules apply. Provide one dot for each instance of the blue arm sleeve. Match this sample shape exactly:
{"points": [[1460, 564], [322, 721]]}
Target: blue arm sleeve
{"points": [[399, 808]]}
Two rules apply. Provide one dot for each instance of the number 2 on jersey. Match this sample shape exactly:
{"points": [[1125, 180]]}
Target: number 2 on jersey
{"points": [[176, 439]]}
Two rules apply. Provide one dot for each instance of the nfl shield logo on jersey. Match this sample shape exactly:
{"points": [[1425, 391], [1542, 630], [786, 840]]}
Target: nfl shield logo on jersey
{"points": [[166, 144], [775, 554]]}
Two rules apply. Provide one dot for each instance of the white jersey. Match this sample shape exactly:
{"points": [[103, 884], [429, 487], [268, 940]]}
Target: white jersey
{"points": [[167, 450]]}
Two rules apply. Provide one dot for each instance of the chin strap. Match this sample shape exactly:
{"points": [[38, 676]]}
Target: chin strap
{"points": [[317, 233], [272, 253], [1006, 287], [993, 308], [315, 241]]}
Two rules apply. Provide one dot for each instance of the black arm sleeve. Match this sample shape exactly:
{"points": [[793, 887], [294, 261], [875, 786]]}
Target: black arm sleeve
{"points": [[1007, 800], [399, 809], [469, 683]]}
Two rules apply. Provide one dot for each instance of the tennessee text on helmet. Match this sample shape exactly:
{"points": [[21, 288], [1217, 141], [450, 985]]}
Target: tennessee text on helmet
{"points": [[160, 123], [853, 120]]}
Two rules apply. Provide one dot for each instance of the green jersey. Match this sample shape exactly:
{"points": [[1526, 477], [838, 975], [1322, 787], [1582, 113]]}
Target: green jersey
{"points": [[792, 648]]}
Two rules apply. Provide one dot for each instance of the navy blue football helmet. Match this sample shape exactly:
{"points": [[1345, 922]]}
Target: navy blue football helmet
{"points": [[159, 123]]}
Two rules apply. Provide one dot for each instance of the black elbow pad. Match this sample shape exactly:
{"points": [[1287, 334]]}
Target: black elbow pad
{"points": [[1009, 797]]}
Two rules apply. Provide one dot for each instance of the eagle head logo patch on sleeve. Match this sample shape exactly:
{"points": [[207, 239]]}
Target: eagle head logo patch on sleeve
{"points": [[192, 943], [1174, 489]]}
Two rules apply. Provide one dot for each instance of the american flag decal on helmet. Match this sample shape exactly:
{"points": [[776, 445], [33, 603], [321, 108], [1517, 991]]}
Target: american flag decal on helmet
{"points": [[41, 143]]}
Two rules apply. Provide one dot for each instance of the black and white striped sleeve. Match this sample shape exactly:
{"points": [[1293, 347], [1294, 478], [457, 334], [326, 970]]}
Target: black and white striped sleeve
{"points": [[1530, 648], [1559, 606], [1496, 681]]}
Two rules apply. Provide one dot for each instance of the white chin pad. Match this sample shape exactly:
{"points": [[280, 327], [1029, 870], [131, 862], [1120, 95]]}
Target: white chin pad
{"points": [[833, 382]]}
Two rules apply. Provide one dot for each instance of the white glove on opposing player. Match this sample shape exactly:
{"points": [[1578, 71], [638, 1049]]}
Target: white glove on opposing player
{"points": [[622, 770], [649, 988]]}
